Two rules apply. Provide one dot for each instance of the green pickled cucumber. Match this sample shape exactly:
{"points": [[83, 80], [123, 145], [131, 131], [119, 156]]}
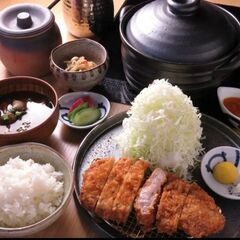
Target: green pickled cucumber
{"points": [[86, 116], [77, 109]]}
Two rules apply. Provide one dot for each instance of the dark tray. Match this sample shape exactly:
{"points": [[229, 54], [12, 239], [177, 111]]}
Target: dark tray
{"points": [[100, 142]]}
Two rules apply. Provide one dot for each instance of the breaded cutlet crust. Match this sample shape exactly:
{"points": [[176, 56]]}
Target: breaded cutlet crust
{"points": [[171, 204], [200, 217], [94, 179], [111, 188], [124, 200]]}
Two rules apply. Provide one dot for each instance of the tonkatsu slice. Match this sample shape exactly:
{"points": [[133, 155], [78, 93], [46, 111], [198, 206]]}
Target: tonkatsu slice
{"points": [[147, 199], [94, 179], [171, 204], [123, 202], [200, 216], [115, 179]]}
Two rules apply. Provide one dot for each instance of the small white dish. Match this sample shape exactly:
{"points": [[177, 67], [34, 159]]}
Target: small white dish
{"points": [[225, 92], [68, 99], [210, 159]]}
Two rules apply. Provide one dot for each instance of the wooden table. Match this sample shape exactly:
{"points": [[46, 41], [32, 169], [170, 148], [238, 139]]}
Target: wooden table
{"points": [[66, 140]]}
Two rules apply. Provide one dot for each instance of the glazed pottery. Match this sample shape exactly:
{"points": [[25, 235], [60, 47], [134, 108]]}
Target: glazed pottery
{"points": [[180, 41], [28, 33], [67, 100], [41, 154], [44, 129], [88, 18], [84, 80]]}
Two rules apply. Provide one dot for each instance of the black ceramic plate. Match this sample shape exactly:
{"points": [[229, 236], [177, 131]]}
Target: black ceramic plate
{"points": [[100, 142]]}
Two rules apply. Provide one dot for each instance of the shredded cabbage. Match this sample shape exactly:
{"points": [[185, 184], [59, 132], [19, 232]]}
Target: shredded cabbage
{"points": [[162, 127]]}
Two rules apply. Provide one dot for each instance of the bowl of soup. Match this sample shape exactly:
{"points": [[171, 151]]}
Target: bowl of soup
{"points": [[28, 110]]}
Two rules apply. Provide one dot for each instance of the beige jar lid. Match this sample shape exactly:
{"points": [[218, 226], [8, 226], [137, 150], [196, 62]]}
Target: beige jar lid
{"points": [[24, 20]]}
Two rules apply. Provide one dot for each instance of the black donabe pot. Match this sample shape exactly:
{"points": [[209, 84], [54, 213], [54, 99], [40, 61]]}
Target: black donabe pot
{"points": [[192, 43]]}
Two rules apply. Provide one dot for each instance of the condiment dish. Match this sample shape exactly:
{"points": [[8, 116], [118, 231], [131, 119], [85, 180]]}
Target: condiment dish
{"points": [[215, 156], [80, 80], [99, 101], [232, 94], [41, 154]]}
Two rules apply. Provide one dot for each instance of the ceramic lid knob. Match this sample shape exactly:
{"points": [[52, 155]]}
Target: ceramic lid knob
{"points": [[24, 20], [183, 7]]}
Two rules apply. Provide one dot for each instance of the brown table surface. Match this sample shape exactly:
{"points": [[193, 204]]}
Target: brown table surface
{"points": [[72, 223]]}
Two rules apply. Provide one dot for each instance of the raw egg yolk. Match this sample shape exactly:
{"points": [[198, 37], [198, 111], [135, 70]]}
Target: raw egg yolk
{"points": [[225, 172]]}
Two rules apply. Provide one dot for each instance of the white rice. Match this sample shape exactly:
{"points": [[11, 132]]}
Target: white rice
{"points": [[29, 192]]}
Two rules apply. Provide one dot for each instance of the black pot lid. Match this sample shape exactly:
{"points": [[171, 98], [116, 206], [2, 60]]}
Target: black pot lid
{"points": [[22, 20], [183, 31]]}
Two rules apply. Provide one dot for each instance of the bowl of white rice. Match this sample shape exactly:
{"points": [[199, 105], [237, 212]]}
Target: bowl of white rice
{"points": [[36, 187]]}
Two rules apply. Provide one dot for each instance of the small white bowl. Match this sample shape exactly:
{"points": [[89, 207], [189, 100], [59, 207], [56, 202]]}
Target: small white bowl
{"points": [[210, 159], [68, 99], [41, 154], [225, 92]]}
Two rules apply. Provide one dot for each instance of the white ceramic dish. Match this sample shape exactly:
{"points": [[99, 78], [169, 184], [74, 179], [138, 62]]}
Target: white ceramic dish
{"points": [[68, 99], [224, 92], [210, 159], [42, 154]]}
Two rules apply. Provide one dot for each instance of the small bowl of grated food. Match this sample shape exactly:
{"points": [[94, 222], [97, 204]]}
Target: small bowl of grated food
{"points": [[220, 170], [81, 64], [36, 187]]}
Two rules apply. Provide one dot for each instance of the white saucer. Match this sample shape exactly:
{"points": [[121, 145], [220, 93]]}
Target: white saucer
{"points": [[68, 99], [210, 159]]}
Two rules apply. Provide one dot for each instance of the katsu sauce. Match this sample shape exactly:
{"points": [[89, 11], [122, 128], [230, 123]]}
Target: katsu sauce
{"points": [[233, 105]]}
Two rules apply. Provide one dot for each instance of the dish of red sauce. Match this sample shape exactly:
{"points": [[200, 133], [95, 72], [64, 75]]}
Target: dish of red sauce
{"points": [[233, 105]]}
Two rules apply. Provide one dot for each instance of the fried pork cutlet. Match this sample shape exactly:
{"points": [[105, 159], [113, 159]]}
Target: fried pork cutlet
{"points": [[200, 216], [94, 179], [123, 202], [171, 204], [148, 197], [110, 190]]}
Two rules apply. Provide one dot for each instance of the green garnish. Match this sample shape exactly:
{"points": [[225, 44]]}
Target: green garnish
{"points": [[77, 109]]}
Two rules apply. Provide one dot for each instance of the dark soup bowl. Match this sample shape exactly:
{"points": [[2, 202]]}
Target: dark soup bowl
{"points": [[28, 110]]}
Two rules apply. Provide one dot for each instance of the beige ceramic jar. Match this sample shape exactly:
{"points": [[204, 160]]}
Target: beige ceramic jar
{"points": [[28, 33]]}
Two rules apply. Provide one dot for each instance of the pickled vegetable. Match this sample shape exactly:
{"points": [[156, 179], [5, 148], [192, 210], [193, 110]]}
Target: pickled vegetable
{"points": [[77, 109], [77, 103], [79, 64], [86, 116]]}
